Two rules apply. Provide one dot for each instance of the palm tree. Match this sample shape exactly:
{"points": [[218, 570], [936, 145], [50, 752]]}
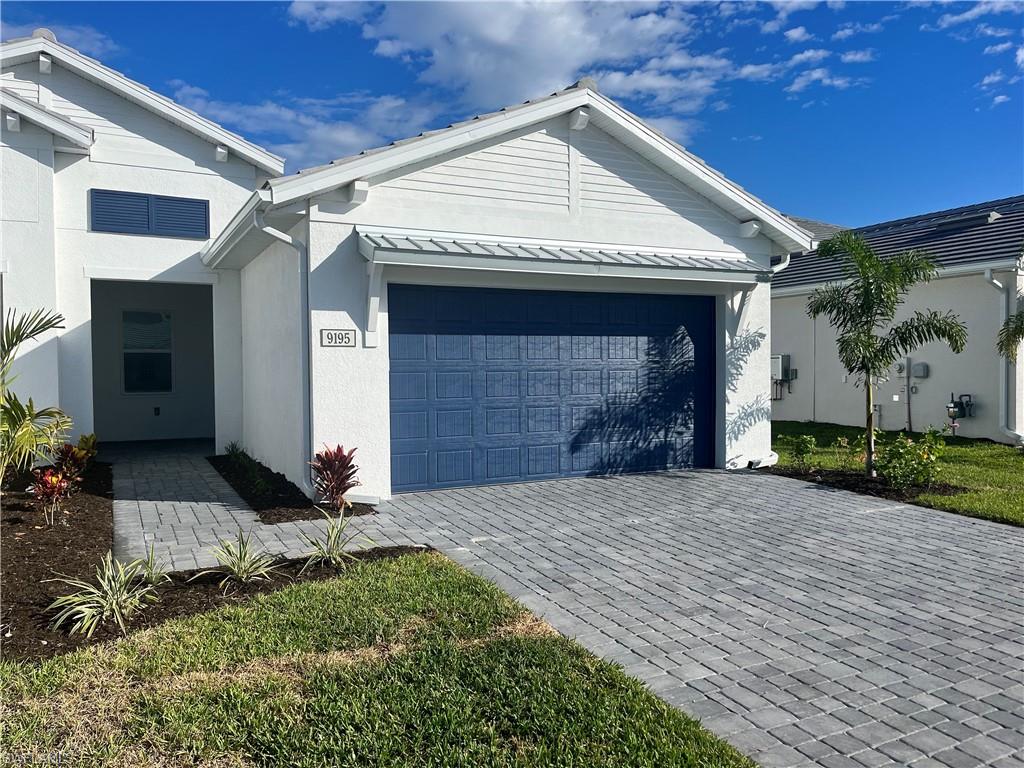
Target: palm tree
{"points": [[26, 433], [1011, 334], [863, 307]]}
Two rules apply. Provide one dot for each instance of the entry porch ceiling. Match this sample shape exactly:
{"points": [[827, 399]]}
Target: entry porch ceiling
{"points": [[456, 251]]}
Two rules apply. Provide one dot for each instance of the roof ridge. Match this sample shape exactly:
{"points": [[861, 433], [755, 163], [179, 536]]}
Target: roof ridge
{"points": [[925, 219]]}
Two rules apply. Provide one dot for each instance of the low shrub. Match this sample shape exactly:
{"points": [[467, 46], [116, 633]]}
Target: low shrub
{"points": [[248, 469], [905, 462], [50, 488], [119, 593], [240, 563], [803, 449], [334, 475], [330, 550], [71, 461], [847, 455]]}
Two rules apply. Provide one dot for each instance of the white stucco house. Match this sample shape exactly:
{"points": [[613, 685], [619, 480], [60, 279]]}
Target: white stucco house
{"points": [[979, 250], [548, 290]]}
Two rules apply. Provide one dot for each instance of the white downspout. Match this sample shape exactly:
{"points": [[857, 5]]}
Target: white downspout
{"points": [[1004, 364], [772, 458], [303, 251]]}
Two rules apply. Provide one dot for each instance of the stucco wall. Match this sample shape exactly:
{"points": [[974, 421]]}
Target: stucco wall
{"points": [[272, 362], [27, 252], [824, 392], [185, 412], [350, 385], [137, 151]]}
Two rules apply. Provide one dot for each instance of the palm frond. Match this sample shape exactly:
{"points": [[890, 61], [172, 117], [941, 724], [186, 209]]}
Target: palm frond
{"points": [[19, 328], [904, 270], [27, 434], [921, 328], [1011, 333]]}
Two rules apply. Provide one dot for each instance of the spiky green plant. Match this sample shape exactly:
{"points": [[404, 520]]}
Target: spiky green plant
{"points": [[863, 307], [118, 593], [331, 549], [240, 562], [27, 433], [153, 569]]}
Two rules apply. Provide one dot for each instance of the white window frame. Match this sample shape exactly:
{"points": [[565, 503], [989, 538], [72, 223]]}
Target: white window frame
{"points": [[170, 352]]}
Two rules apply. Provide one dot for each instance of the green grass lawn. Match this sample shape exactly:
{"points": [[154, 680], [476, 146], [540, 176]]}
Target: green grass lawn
{"points": [[411, 661], [990, 475]]}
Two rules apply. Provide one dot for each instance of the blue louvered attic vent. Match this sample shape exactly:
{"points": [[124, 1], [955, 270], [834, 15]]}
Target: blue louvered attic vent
{"points": [[140, 214]]}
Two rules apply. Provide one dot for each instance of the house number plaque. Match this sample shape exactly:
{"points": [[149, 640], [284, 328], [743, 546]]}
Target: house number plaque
{"points": [[336, 337]]}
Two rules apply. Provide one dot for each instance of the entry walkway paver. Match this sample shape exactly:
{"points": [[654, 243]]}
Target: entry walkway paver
{"points": [[807, 626]]}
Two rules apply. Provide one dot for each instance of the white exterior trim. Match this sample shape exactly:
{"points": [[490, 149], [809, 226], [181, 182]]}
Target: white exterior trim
{"points": [[150, 275], [19, 51], [978, 268], [48, 120]]}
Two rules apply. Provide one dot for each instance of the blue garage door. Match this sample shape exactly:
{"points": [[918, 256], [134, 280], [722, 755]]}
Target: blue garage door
{"points": [[497, 386]]}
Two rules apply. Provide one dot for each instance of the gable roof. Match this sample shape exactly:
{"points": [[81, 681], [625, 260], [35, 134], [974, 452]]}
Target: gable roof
{"points": [[42, 42], [47, 119], [603, 113], [820, 229], [983, 233]]}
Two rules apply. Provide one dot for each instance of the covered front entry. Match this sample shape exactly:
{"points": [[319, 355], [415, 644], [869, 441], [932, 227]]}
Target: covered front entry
{"points": [[496, 386], [152, 360]]}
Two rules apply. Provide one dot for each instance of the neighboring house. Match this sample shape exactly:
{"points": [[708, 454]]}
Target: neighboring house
{"points": [[978, 249], [553, 289]]}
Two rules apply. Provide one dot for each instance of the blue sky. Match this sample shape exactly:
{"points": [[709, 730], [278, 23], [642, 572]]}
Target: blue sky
{"points": [[850, 112]]}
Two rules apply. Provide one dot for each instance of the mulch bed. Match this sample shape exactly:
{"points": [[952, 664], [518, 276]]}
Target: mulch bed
{"points": [[280, 501], [858, 482], [179, 597], [33, 551]]}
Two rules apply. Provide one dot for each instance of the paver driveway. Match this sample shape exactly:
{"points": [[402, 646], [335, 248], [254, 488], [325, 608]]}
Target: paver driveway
{"points": [[805, 625]]}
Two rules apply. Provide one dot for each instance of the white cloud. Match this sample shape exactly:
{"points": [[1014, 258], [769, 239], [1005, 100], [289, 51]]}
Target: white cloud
{"points": [[85, 38], [321, 15], [978, 10], [1018, 57], [821, 76], [313, 131], [680, 130], [851, 28], [752, 137], [758, 72], [1000, 99], [992, 79], [797, 35], [810, 56], [858, 57], [998, 47], [783, 10], [494, 54], [987, 30]]}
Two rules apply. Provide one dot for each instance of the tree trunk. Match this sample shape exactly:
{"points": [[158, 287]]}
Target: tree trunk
{"points": [[869, 442]]}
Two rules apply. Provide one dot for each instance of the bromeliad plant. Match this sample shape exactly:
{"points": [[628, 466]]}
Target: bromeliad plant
{"points": [[334, 475], [118, 593], [862, 309], [50, 488], [240, 563]]}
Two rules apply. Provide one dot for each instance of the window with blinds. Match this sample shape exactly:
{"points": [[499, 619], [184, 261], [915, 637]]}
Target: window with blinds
{"points": [[146, 352]]}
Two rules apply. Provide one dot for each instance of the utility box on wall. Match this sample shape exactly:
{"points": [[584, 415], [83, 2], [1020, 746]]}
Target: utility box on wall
{"points": [[780, 368]]}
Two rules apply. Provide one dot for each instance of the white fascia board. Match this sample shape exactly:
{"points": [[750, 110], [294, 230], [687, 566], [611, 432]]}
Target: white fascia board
{"points": [[234, 230], [778, 227], [90, 69], [325, 179], [49, 121], [487, 264], [960, 270]]}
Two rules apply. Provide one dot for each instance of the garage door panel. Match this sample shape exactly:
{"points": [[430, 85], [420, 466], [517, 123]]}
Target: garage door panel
{"points": [[524, 385]]}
